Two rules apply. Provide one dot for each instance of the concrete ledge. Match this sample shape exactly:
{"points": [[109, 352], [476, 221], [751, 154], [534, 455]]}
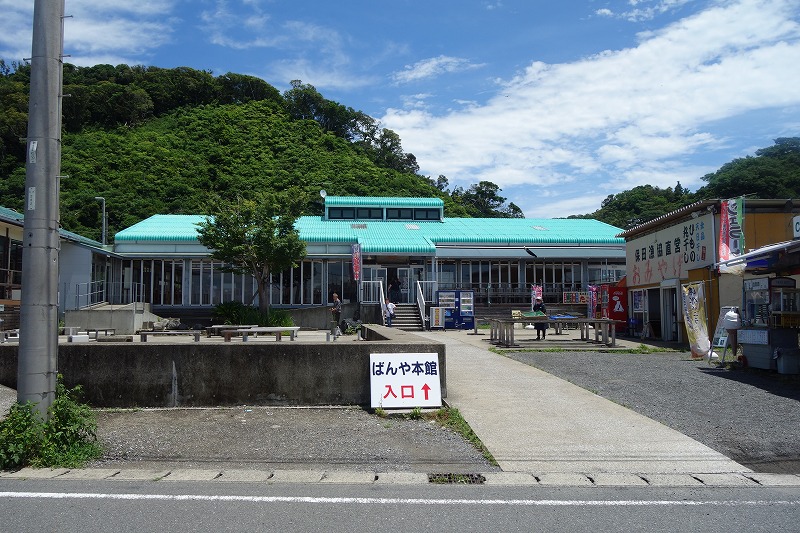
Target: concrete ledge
{"points": [[192, 374]]}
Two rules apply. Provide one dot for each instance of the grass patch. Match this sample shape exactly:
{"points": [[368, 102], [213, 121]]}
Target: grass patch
{"points": [[451, 418]]}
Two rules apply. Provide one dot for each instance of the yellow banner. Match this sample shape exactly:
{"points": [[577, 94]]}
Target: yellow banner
{"points": [[694, 314]]}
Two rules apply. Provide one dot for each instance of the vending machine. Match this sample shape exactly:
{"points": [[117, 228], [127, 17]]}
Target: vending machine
{"points": [[459, 308]]}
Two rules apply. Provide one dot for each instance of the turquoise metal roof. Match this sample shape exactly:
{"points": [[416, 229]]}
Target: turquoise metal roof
{"points": [[9, 215], [13, 217], [381, 201], [157, 228], [404, 237]]}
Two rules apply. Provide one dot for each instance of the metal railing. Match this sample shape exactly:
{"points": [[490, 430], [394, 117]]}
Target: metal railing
{"points": [[372, 292], [421, 300], [115, 293]]}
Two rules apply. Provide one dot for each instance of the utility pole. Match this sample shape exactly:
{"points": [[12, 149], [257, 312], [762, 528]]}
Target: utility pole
{"points": [[38, 336]]}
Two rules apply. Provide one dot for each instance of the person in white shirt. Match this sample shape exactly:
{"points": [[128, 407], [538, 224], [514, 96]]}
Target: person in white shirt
{"points": [[388, 312]]}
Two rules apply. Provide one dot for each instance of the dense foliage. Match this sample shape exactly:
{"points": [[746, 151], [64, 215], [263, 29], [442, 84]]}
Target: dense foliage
{"points": [[67, 439], [152, 140]]}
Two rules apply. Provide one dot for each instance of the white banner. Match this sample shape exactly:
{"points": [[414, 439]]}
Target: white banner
{"points": [[694, 314]]}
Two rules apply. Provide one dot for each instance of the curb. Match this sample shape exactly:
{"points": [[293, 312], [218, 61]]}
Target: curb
{"points": [[350, 477]]}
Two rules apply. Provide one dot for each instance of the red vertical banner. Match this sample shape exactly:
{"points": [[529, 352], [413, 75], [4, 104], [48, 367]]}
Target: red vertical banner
{"points": [[356, 262], [536, 292]]}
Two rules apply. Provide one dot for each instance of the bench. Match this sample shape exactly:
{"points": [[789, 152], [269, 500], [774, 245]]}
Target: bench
{"points": [[277, 331], [219, 329], [96, 331], [143, 334]]}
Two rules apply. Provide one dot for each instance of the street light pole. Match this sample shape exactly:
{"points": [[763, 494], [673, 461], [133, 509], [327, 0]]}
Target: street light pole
{"points": [[103, 201]]}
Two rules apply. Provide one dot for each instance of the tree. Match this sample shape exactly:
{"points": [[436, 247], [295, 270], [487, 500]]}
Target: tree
{"points": [[255, 236], [483, 200], [774, 172]]}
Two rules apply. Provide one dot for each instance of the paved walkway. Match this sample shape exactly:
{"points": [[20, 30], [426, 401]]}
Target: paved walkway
{"points": [[534, 422]]}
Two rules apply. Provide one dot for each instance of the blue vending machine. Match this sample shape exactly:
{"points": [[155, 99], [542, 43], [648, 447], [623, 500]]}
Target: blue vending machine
{"points": [[459, 308]]}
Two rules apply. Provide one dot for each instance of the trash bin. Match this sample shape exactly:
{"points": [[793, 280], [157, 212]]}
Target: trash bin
{"points": [[788, 361]]}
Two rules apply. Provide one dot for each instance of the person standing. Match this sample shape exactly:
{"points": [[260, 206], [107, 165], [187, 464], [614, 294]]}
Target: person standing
{"points": [[336, 313], [541, 327], [388, 311]]}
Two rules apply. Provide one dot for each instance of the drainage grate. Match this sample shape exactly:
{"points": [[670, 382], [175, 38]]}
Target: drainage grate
{"points": [[464, 479]]}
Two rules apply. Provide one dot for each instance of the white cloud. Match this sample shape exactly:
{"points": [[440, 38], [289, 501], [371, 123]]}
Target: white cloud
{"points": [[433, 67], [620, 118], [112, 30]]}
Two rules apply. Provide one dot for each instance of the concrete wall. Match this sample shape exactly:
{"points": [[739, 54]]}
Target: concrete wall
{"points": [[127, 320], [320, 317], [209, 374]]}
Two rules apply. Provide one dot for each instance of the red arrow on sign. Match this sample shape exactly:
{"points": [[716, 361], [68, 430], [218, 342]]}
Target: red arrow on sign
{"points": [[426, 388]]}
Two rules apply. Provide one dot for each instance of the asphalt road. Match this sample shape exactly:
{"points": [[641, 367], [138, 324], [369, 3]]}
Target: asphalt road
{"points": [[60, 505]]}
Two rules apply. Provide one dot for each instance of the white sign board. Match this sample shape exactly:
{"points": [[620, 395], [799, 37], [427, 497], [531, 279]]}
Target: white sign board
{"points": [[796, 226], [404, 380], [670, 252]]}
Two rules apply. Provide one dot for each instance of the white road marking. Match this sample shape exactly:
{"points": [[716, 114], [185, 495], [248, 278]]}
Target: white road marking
{"points": [[394, 501]]}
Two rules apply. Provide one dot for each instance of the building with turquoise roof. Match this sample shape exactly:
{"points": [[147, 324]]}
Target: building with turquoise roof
{"points": [[403, 239]]}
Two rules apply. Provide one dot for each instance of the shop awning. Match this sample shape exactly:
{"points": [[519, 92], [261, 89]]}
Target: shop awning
{"points": [[761, 253]]}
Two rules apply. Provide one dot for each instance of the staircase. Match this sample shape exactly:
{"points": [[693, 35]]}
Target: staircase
{"points": [[406, 317]]}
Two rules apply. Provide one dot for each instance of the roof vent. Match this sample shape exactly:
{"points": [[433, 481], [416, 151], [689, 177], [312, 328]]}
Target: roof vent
{"points": [[539, 228], [358, 226], [412, 226]]}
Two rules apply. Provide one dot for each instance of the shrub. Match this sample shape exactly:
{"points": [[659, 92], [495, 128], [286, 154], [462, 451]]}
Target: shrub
{"points": [[67, 439], [238, 313]]}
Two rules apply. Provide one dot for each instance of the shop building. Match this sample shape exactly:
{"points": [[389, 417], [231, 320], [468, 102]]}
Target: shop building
{"points": [[683, 247], [404, 240]]}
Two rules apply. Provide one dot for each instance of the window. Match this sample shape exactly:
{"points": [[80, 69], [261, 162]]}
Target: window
{"points": [[399, 214], [426, 214], [371, 213], [341, 213]]}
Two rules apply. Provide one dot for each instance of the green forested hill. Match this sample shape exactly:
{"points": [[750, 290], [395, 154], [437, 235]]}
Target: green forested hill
{"points": [[159, 141], [153, 140]]}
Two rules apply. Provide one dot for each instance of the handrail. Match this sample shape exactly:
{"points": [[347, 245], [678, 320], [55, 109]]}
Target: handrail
{"points": [[96, 292], [421, 302]]}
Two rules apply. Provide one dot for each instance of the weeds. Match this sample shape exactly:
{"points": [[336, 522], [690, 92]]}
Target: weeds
{"points": [[451, 418], [415, 414], [68, 439]]}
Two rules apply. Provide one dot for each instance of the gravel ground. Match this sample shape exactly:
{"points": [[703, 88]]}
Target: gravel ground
{"points": [[282, 438], [749, 415]]}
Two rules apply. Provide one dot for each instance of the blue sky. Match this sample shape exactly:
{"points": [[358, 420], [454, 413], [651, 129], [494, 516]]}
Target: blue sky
{"points": [[559, 103]]}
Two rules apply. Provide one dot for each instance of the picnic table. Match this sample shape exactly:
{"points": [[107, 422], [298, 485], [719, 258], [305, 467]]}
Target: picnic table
{"points": [[502, 329]]}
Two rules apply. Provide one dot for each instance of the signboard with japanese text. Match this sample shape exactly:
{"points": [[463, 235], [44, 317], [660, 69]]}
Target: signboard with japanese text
{"points": [[404, 380], [671, 252], [356, 262], [536, 292], [694, 316], [437, 317], [731, 234], [575, 297]]}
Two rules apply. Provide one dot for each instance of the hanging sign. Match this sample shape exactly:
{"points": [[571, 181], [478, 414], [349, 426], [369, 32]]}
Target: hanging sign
{"points": [[356, 262]]}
